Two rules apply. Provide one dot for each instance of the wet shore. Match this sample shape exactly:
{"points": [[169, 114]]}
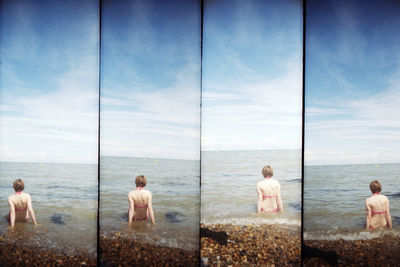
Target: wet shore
{"points": [[119, 250], [251, 245], [19, 254], [372, 252]]}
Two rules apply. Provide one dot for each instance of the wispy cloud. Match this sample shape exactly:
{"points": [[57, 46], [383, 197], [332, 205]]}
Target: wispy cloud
{"points": [[150, 104], [252, 94], [356, 130], [164, 122], [258, 115], [65, 118], [49, 90]]}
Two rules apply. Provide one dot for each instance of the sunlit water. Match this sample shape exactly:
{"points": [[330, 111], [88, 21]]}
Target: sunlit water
{"points": [[334, 200], [67, 191], [228, 186], [175, 187]]}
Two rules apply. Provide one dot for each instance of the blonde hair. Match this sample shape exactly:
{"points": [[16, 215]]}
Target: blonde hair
{"points": [[140, 181], [375, 187], [18, 185], [267, 171]]}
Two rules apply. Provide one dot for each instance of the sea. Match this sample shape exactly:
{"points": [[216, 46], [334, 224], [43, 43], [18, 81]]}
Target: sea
{"points": [[175, 188], [229, 180], [64, 199], [334, 200]]}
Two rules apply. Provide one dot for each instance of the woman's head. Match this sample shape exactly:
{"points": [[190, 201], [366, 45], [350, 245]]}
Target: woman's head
{"points": [[375, 187], [18, 185], [140, 181], [267, 171]]}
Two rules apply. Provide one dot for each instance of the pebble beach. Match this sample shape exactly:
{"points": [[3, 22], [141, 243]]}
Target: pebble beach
{"points": [[371, 252], [118, 249], [20, 254], [250, 245]]}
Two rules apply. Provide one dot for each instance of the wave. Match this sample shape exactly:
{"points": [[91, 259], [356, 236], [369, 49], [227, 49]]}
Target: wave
{"points": [[351, 236], [296, 206], [298, 180], [251, 221], [394, 195]]}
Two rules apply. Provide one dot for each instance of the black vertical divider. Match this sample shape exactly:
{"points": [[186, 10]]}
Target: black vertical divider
{"points": [[201, 110], [303, 127], [98, 143]]}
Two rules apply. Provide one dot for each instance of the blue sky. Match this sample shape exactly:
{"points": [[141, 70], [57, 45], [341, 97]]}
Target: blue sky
{"points": [[252, 75], [352, 82], [150, 79], [48, 81]]}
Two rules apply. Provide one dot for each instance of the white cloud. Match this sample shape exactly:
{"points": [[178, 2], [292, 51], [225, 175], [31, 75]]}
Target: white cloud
{"points": [[359, 131], [60, 125], [156, 122], [256, 115]]}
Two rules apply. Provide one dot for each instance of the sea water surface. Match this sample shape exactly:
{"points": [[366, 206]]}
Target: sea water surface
{"points": [[64, 199], [334, 200], [229, 180], [175, 188]]}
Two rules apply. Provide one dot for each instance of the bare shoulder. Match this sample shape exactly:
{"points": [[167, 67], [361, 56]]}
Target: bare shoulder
{"points": [[130, 194], [276, 182], [260, 183]]}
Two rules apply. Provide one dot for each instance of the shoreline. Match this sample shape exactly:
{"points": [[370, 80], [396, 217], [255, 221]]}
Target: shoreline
{"points": [[265, 244], [369, 252], [17, 254], [119, 249]]}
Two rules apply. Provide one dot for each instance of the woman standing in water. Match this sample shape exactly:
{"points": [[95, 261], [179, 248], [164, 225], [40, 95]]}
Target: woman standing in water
{"points": [[140, 202], [377, 205], [269, 193], [20, 205]]}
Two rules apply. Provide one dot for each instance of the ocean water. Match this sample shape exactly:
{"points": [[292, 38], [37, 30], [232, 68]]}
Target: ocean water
{"points": [[175, 188], [229, 180], [334, 200], [67, 191]]}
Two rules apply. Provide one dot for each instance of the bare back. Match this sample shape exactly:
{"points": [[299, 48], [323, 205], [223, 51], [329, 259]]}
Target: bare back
{"points": [[269, 195], [20, 208], [140, 202], [378, 214]]}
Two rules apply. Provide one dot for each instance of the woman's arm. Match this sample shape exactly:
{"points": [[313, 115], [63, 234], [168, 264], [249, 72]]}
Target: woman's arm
{"points": [[387, 216], [30, 209], [12, 212], [368, 219], [131, 208], [259, 201], [279, 199], [150, 208]]}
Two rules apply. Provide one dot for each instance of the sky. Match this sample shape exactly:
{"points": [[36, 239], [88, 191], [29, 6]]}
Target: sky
{"points": [[49, 81], [150, 79], [252, 75], [352, 82]]}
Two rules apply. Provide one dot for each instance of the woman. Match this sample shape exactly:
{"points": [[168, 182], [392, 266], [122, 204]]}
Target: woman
{"points": [[269, 193], [20, 205], [140, 202], [377, 205]]}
